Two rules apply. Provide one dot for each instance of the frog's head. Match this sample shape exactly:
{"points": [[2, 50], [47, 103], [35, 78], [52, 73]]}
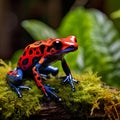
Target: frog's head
{"points": [[64, 45]]}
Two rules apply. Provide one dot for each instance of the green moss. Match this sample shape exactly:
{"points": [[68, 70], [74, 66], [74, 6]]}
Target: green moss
{"points": [[10, 104], [91, 96]]}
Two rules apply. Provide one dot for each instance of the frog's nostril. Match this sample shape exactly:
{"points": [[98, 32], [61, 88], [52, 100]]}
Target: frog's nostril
{"points": [[75, 40]]}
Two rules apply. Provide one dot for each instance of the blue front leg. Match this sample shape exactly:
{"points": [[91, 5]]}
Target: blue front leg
{"points": [[49, 70], [15, 81], [68, 77]]}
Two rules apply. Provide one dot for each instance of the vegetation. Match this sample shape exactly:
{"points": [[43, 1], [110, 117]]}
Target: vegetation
{"points": [[10, 105], [98, 51], [98, 40], [91, 97]]}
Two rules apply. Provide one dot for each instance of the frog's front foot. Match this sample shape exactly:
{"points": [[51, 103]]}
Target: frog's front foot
{"points": [[17, 89], [50, 92], [69, 79]]}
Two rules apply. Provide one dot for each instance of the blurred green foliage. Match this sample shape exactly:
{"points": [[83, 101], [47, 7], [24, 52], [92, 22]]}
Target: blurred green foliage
{"points": [[16, 56], [98, 40], [38, 30], [112, 6], [115, 14]]}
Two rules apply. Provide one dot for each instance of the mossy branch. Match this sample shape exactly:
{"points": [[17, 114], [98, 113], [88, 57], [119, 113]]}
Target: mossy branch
{"points": [[92, 97]]}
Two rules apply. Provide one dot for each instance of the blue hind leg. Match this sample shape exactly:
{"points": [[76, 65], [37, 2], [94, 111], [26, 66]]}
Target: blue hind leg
{"points": [[14, 79], [50, 90]]}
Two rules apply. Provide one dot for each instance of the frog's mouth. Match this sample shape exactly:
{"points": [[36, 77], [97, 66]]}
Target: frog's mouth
{"points": [[69, 49]]}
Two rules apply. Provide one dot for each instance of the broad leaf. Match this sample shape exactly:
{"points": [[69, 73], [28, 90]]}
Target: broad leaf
{"points": [[115, 14], [38, 30], [16, 56], [98, 41]]}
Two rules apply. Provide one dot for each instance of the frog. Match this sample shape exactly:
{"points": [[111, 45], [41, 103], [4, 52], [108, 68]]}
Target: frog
{"points": [[36, 61]]}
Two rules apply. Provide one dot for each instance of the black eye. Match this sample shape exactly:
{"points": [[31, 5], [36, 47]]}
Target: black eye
{"points": [[57, 45]]}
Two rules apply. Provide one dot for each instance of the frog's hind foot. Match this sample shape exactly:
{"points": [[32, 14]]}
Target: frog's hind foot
{"points": [[50, 92]]}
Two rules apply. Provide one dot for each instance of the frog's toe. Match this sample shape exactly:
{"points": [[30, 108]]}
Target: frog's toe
{"points": [[69, 79], [76, 81], [17, 89], [44, 76], [18, 92], [24, 87], [50, 92]]}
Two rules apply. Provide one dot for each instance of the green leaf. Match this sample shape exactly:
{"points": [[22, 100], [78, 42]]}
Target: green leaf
{"points": [[16, 56], [115, 14], [98, 40], [38, 30]]}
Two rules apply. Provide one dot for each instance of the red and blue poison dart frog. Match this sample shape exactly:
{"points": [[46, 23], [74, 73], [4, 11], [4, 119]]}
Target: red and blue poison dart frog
{"points": [[36, 59]]}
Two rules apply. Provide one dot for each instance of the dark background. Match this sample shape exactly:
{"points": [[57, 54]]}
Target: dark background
{"points": [[13, 12]]}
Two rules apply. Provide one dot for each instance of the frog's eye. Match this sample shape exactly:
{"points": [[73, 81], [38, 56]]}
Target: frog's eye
{"points": [[57, 45]]}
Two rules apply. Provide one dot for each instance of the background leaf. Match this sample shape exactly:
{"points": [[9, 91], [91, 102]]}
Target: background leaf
{"points": [[16, 56], [115, 14], [99, 42], [38, 30]]}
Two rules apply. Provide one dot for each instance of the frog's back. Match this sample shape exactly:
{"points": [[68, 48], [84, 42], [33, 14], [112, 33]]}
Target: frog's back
{"points": [[31, 55]]}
